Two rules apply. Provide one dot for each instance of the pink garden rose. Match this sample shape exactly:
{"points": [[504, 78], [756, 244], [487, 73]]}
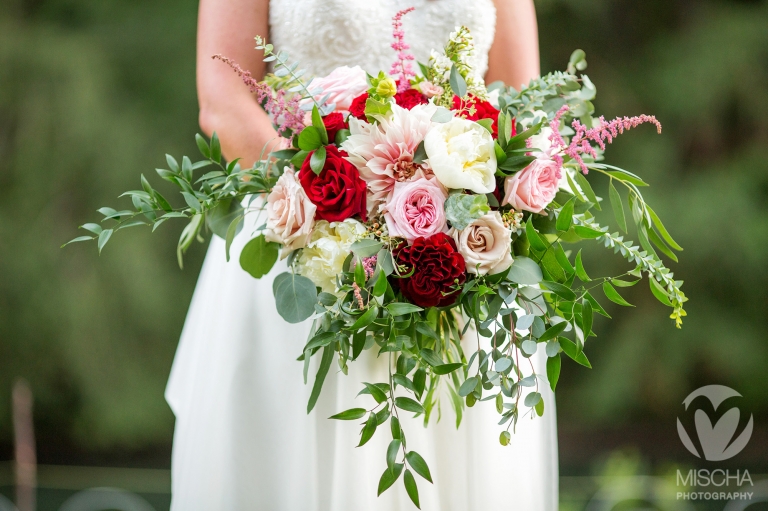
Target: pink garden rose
{"points": [[416, 209], [290, 213], [343, 84], [534, 187]]}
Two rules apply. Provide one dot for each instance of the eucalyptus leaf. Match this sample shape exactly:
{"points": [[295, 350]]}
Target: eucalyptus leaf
{"points": [[461, 209], [295, 297]]}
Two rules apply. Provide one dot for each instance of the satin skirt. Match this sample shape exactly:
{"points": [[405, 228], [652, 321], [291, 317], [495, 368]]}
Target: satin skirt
{"points": [[244, 442]]}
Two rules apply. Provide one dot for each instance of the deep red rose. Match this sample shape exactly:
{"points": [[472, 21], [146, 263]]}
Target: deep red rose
{"points": [[437, 265], [483, 110], [410, 98], [333, 123], [338, 192], [357, 108]]}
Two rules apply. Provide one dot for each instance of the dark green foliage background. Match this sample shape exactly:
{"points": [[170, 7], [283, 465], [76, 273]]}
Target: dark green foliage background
{"points": [[93, 92]]}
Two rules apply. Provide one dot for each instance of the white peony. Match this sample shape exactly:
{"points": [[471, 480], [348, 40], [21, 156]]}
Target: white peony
{"points": [[461, 155], [323, 258]]}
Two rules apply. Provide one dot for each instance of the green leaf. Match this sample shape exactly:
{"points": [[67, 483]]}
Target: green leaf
{"points": [[322, 372], [505, 437], [374, 107], [553, 331], [349, 415], [587, 189], [532, 399], [468, 386], [587, 232], [560, 290], [461, 209], [487, 124], [659, 292], [447, 368], [395, 427], [104, 238], [518, 141], [202, 145], [403, 381], [192, 201], [431, 357], [310, 139], [580, 272], [421, 154], [231, 233], [420, 381], [525, 271], [341, 136], [366, 319], [376, 392], [553, 371], [614, 296], [215, 148], [295, 297], [656, 240], [317, 160], [401, 309], [408, 404], [259, 256], [368, 430], [172, 163], [392, 450], [320, 340], [366, 247], [533, 237], [570, 349], [515, 163], [618, 207], [565, 218], [458, 83], [79, 238], [418, 465], [94, 228], [317, 122], [442, 115], [380, 287], [660, 226], [411, 488], [220, 218], [389, 477], [586, 317], [298, 159]]}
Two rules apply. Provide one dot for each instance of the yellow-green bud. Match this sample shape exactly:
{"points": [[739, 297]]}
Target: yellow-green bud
{"points": [[386, 88]]}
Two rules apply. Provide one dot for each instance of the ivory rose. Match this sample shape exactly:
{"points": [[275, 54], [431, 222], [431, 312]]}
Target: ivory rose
{"points": [[532, 188], [343, 84], [461, 155], [485, 244], [416, 209], [290, 213], [323, 258]]}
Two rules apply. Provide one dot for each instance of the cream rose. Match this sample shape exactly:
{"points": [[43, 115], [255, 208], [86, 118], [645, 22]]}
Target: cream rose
{"points": [[485, 244], [323, 258], [461, 155], [534, 187], [290, 214]]}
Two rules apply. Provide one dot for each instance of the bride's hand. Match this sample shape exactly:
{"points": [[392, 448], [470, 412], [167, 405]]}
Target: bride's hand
{"points": [[227, 27]]}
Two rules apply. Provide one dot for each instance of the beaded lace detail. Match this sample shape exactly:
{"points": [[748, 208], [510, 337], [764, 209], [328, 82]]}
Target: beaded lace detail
{"points": [[325, 34]]}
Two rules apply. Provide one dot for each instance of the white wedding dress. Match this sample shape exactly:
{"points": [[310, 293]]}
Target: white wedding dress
{"points": [[243, 440]]}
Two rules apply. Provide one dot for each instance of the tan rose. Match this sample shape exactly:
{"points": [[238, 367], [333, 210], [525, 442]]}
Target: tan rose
{"points": [[485, 244], [290, 214]]}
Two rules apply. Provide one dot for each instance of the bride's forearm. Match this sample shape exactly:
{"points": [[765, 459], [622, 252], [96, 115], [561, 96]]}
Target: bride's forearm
{"points": [[514, 56]]}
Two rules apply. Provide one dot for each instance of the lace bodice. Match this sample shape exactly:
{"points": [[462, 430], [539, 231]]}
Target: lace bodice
{"points": [[324, 34]]}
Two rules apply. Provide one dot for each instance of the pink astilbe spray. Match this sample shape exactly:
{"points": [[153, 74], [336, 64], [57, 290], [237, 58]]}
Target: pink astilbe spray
{"points": [[284, 110], [604, 132], [369, 265], [402, 67]]}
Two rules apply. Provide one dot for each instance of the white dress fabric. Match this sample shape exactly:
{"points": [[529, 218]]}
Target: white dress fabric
{"points": [[243, 440]]}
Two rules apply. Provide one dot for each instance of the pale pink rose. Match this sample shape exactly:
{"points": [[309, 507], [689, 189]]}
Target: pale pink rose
{"points": [[534, 187], [290, 214], [485, 244], [430, 90], [343, 85], [416, 209]]}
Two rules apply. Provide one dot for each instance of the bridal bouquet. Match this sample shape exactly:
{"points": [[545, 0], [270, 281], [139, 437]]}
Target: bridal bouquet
{"points": [[419, 209]]}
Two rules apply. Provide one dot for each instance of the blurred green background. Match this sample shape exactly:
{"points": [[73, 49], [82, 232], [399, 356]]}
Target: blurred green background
{"points": [[93, 92]]}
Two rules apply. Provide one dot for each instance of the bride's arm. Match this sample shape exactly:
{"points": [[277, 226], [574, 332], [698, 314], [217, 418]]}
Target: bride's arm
{"points": [[514, 56], [228, 27]]}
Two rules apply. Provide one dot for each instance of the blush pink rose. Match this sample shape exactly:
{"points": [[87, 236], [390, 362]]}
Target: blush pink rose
{"points": [[343, 85], [416, 209], [534, 187], [290, 214]]}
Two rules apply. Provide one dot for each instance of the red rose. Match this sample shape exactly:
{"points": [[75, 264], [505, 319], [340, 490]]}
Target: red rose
{"points": [[436, 267], [333, 123], [338, 192], [357, 108], [483, 110], [410, 98]]}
